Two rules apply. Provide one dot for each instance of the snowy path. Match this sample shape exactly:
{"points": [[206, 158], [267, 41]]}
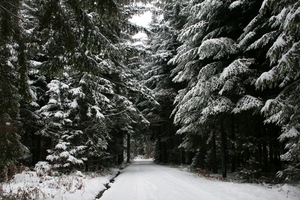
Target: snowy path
{"points": [[144, 180]]}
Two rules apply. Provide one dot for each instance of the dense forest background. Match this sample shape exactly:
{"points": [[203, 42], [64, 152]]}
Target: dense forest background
{"points": [[214, 86]]}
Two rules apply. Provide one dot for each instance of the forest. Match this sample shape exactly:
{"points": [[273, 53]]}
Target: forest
{"points": [[214, 86]]}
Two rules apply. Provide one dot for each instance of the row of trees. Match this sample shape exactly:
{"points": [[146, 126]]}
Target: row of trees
{"points": [[232, 70], [68, 95], [224, 75]]}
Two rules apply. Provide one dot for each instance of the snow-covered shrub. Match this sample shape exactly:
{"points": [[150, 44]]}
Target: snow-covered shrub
{"points": [[69, 183], [43, 168], [9, 171], [29, 189], [28, 193]]}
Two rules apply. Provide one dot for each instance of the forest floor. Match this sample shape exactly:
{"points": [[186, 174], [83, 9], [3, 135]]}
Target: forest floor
{"points": [[141, 180], [144, 180]]}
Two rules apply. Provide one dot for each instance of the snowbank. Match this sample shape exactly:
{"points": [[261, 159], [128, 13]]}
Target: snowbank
{"points": [[81, 186]]}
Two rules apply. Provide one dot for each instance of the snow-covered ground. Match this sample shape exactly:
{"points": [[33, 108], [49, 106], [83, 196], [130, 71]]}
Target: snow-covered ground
{"points": [[76, 186], [144, 180]]}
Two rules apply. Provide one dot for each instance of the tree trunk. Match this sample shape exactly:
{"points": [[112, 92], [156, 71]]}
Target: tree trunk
{"points": [[223, 151], [266, 151], [128, 147], [233, 147], [214, 154], [120, 149]]}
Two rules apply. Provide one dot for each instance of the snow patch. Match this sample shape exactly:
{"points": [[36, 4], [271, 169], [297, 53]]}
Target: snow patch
{"points": [[59, 114], [235, 4], [265, 79], [291, 133]]}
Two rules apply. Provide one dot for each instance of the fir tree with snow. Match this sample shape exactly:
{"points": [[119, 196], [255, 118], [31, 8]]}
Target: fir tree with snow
{"points": [[13, 83]]}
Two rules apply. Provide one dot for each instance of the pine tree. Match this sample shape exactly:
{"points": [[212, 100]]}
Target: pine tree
{"points": [[199, 63], [12, 82], [219, 80], [223, 63], [87, 106], [162, 45], [282, 73]]}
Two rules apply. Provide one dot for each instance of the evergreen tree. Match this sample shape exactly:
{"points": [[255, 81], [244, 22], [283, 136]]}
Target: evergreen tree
{"points": [[206, 49], [281, 72], [83, 90], [12, 82], [163, 43], [220, 86]]}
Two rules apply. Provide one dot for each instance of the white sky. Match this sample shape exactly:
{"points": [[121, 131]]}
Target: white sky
{"points": [[143, 19]]}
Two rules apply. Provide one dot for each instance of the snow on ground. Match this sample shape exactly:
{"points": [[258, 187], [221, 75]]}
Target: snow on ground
{"points": [[144, 180], [76, 186]]}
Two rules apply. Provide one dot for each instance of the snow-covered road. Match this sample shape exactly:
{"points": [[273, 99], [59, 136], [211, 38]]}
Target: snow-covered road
{"points": [[144, 180]]}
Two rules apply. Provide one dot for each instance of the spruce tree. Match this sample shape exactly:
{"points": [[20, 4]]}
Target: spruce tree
{"points": [[12, 82], [219, 77], [85, 105], [162, 45], [281, 74]]}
